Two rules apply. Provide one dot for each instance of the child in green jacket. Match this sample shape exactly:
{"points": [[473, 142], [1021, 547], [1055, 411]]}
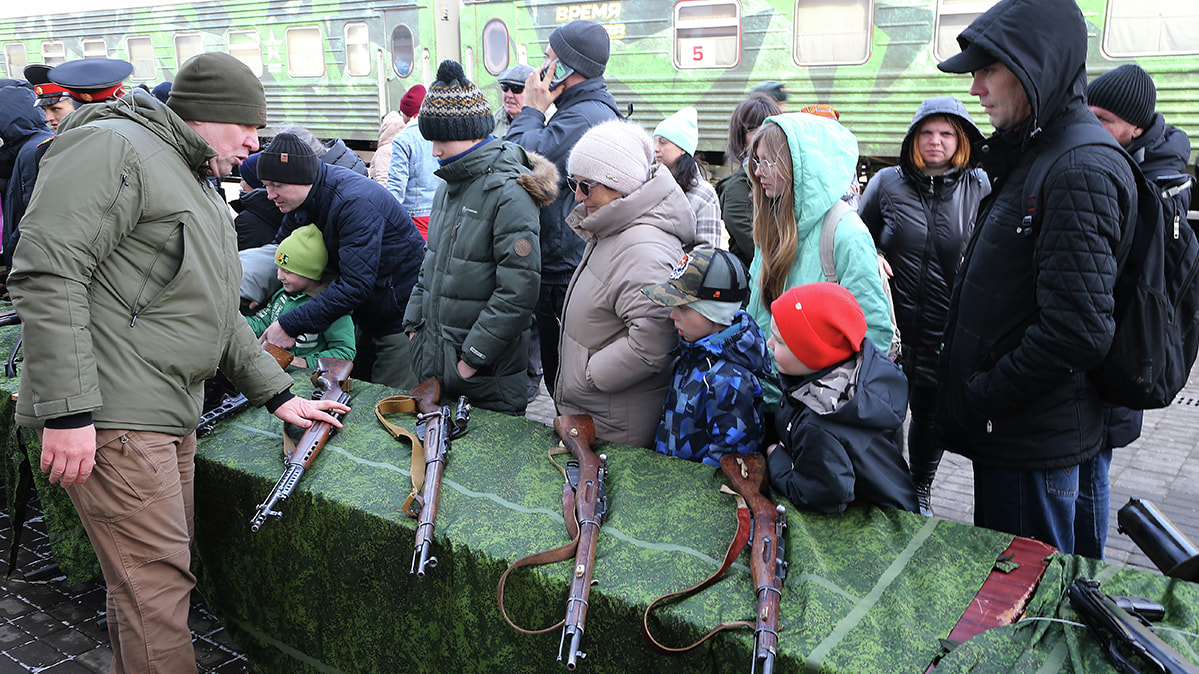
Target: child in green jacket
{"points": [[301, 259]]}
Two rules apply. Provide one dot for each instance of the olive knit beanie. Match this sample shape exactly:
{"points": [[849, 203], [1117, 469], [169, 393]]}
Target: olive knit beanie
{"points": [[288, 160], [216, 87], [303, 252], [1126, 92], [454, 108]]}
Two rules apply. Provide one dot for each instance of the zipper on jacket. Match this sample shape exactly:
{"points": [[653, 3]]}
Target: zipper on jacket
{"points": [[146, 277], [112, 204]]}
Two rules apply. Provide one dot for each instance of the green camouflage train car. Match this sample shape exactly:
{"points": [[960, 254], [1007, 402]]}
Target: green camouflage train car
{"points": [[337, 65]]}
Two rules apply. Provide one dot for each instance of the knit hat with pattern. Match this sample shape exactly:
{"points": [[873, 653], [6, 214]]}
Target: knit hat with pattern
{"points": [[821, 323], [454, 108], [303, 252], [616, 154], [1126, 92]]}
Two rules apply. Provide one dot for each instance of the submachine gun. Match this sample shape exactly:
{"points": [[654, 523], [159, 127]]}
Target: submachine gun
{"points": [[1127, 638], [761, 525], [435, 424], [332, 376], [586, 505]]}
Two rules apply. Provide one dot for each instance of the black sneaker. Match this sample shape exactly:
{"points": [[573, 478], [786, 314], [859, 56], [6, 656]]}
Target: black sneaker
{"points": [[924, 497]]}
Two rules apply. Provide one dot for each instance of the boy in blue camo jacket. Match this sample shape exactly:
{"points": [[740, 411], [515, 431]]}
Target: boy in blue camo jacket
{"points": [[714, 404]]}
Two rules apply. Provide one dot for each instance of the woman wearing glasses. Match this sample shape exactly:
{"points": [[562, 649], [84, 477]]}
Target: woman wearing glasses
{"points": [[800, 166], [616, 344], [921, 214]]}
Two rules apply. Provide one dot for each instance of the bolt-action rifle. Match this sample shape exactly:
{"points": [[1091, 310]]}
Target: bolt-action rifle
{"points": [[435, 425], [761, 525], [332, 376], [586, 506]]}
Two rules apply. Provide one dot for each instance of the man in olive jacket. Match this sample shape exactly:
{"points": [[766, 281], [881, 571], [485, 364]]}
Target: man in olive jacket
{"points": [[126, 280], [479, 281]]}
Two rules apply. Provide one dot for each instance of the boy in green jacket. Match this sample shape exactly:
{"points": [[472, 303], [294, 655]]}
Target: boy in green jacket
{"points": [[301, 259]]}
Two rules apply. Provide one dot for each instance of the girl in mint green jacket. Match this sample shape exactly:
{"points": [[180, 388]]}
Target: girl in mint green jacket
{"points": [[800, 166]]}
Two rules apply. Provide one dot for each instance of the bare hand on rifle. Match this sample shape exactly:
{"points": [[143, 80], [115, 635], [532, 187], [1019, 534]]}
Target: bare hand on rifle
{"points": [[303, 412]]}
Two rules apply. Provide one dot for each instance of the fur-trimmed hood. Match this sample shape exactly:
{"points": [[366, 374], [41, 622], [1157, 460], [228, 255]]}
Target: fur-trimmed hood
{"points": [[542, 181]]}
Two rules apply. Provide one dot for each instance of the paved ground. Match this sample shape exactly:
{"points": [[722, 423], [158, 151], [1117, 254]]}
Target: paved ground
{"points": [[50, 626]]}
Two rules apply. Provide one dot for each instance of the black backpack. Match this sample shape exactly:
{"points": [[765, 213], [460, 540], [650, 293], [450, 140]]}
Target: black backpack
{"points": [[1157, 293]]}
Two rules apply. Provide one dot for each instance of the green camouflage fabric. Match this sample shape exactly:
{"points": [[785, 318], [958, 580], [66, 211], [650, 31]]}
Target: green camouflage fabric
{"points": [[327, 588]]}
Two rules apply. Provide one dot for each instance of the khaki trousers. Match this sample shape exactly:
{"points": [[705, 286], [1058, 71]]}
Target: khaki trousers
{"points": [[137, 508]]}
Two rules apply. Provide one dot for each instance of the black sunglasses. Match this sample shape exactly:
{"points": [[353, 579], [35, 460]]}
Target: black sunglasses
{"points": [[514, 88], [580, 185]]}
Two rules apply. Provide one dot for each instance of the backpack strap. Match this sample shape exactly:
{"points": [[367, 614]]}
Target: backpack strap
{"points": [[828, 233], [1072, 137]]}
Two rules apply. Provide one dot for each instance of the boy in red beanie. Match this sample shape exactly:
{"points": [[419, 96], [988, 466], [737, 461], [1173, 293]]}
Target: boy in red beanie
{"points": [[840, 422]]}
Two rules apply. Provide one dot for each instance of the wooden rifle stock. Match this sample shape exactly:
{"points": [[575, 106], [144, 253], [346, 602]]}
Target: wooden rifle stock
{"points": [[9, 318], [332, 376], [282, 356], [434, 417], [587, 476], [747, 474]]}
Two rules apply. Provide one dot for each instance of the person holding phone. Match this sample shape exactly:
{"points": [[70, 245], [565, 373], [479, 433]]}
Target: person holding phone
{"points": [[572, 79]]}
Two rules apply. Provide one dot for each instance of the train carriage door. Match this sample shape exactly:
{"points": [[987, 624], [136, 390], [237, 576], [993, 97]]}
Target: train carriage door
{"points": [[489, 45], [408, 50]]}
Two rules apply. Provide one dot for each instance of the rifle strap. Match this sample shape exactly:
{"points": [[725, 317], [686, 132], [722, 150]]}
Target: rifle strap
{"points": [[744, 525], [571, 516], [402, 404]]}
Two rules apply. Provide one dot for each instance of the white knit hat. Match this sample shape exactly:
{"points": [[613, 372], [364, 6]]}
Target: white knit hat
{"points": [[615, 154], [682, 129]]}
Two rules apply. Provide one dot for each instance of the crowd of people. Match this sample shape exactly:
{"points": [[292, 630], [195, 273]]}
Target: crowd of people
{"points": [[783, 310]]}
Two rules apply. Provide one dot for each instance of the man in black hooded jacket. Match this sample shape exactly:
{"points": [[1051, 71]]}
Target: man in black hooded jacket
{"points": [[1032, 307]]}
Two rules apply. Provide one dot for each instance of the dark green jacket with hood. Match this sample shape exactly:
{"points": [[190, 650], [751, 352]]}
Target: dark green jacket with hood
{"points": [[126, 279]]}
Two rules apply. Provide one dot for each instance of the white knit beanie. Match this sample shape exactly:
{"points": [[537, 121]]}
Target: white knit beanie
{"points": [[682, 129], [615, 154]]}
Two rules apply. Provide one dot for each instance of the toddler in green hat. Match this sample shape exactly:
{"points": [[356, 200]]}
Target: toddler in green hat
{"points": [[301, 259]]}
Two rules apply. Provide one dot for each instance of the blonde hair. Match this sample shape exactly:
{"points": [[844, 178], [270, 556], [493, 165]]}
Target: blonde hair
{"points": [[775, 229], [961, 157]]}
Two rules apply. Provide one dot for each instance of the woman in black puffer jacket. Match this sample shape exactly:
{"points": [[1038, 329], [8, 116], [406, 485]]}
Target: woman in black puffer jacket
{"points": [[921, 214]]}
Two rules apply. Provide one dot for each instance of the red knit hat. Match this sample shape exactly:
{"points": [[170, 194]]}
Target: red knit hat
{"points": [[410, 103], [821, 323]]}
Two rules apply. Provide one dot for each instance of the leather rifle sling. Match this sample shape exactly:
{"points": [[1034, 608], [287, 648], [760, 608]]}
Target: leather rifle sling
{"points": [[401, 404], [571, 516], [740, 539]]}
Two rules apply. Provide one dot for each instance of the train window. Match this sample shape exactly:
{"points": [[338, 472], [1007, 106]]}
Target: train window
{"points": [[358, 49], [141, 55], [305, 52], [1151, 27], [952, 18], [16, 59], [403, 54], [495, 46], [95, 48], [187, 45], [832, 32], [244, 46], [53, 53], [707, 34]]}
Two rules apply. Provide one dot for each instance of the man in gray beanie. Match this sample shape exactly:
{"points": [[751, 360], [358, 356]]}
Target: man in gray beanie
{"points": [[572, 78], [123, 281]]}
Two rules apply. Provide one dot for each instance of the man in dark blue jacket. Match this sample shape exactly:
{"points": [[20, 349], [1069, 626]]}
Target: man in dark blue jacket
{"points": [[22, 128], [374, 251], [1032, 307], [577, 54]]}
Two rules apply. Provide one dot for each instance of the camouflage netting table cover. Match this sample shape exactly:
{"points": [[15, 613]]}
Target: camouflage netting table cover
{"points": [[328, 589]]}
